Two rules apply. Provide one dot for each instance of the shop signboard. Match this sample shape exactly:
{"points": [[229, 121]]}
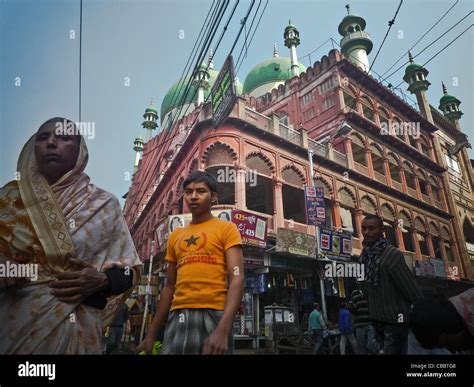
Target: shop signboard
{"points": [[295, 242], [335, 244], [425, 269]]}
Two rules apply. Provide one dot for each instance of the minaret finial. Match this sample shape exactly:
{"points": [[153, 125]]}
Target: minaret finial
{"points": [[410, 56], [348, 7], [445, 91], [275, 51], [152, 102]]}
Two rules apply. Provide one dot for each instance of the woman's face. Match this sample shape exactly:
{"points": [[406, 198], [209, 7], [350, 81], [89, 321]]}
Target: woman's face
{"points": [[55, 154]]}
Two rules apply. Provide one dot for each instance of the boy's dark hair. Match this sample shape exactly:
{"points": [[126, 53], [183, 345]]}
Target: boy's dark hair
{"points": [[431, 317], [202, 177], [371, 216], [343, 304]]}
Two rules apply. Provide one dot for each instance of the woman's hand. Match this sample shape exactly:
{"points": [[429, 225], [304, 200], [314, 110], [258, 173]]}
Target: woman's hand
{"points": [[75, 286]]}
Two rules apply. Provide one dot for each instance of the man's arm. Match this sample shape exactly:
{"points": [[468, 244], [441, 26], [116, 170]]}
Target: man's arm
{"points": [[404, 279], [322, 322], [217, 342], [164, 305]]}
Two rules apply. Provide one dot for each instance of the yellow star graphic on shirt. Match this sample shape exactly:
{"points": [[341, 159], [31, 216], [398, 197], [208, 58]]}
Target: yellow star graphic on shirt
{"points": [[191, 241]]}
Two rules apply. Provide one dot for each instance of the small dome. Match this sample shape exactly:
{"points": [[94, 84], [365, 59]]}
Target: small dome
{"points": [[151, 109], [175, 95], [413, 67], [270, 71]]}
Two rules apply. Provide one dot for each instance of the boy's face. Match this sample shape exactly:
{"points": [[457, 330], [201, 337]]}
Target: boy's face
{"points": [[199, 197]]}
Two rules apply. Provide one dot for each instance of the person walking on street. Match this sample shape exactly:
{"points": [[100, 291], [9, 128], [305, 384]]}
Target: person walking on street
{"points": [[364, 331], [389, 285], [205, 279], [317, 327], [345, 327]]}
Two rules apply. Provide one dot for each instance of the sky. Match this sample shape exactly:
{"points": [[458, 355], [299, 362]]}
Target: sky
{"points": [[135, 50]]}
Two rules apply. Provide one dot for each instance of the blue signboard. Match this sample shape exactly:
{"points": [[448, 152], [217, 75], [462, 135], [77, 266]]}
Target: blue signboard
{"points": [[315, 207], [335, 244]]}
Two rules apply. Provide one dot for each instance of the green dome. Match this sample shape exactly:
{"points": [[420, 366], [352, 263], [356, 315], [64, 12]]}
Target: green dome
{"points": [[412, 67], [447, 98], [151, 109], [172, 98], [271, 70]]}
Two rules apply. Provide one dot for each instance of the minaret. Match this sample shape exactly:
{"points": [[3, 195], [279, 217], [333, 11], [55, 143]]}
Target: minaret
{"points": [[201, 81], [415, 76], [292, 40], [138, 148], [150, 116], [449, 105], [355, 43]]}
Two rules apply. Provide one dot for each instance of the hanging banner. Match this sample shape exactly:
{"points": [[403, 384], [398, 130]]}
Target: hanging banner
{"points": [[295, 242], [335, 244], [223, 94], [315, 207]]}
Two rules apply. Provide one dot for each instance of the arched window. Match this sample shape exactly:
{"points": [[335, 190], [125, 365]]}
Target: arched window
{"points": [[383, 118], [378, 161], [420, 231], [226, 177], [390, 226], [358, 150], [468, 231], [367, 109], [367, 205], [425, 149], [349, 99], [422, 182], [394, 167], [259, 197], [446, 237], [397, 129], [293, 195], [406, 228], [347, 210], [409, 176], [435, 239], [435, 188]]}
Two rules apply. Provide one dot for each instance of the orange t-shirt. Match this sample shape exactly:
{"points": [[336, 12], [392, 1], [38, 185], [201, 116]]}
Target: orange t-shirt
{"points": [[199, 253]]}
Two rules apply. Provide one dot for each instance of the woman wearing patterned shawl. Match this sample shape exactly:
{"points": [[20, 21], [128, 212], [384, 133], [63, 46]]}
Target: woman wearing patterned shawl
{"points": [[53, 220]]}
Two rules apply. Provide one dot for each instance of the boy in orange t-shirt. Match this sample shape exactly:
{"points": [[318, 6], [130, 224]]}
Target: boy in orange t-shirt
{"points": [[198, 301]]}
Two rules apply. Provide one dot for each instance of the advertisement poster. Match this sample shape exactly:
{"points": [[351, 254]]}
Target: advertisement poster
{"points": [[253, 228], [335, 244], [315, 208]]}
